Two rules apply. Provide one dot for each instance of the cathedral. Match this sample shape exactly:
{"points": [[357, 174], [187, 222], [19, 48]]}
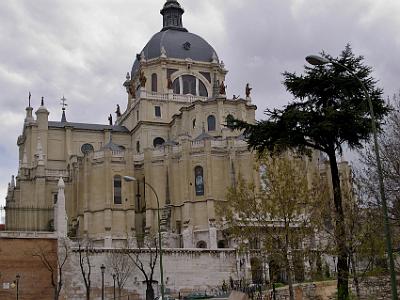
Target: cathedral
{"points": [[168, 151]]}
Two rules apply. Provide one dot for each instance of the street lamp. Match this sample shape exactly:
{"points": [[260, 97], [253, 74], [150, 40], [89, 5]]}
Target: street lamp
{"points": [[103, 268], [113, 275], [130, 179], [319, 61], [17, 283]]}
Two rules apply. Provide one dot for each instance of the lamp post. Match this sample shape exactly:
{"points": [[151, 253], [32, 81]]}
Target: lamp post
{"points": [[113, 275], [17, 284], [103, 268], [318, 61], [130, 179]]}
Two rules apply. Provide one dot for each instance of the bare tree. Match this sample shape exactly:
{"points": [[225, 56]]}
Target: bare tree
{"points": [[54, 260], [389, 147], [137, 256], [85, 248], [389, 143], [274, 219], [120, 264]]}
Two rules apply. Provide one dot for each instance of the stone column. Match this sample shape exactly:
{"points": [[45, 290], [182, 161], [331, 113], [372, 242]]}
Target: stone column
{"points": [[213, 235], [187, 236]]}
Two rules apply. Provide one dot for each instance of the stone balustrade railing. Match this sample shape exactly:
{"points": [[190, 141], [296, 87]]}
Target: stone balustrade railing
{"points": [[171, 97], [57, 173]]}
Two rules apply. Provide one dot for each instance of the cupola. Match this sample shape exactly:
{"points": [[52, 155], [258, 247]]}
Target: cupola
{"points": [[172, 16]]}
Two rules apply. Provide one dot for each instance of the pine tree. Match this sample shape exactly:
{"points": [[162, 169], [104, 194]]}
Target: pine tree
{"points": [[329, 110]]}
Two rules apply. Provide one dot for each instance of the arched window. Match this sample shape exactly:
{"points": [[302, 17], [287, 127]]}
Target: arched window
{"points": [[199, 181], [189, 84], [158, 142], [154, 82], [211, 123], [229, 120], [176, 86], [201, 245], [202, 89], [256, 270], [194, 123], [117, 190]]}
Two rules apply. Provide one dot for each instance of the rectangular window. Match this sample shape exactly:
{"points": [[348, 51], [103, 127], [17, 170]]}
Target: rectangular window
{"points": [[157, 111], [154, 82], [199, 181]]}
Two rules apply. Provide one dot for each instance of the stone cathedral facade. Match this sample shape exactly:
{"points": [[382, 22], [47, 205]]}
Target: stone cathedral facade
{"points": [[171, 137]]}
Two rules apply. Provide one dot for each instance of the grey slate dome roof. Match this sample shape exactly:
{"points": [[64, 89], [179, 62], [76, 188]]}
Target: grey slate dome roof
{"points": [[176, 44], [176, 40]]}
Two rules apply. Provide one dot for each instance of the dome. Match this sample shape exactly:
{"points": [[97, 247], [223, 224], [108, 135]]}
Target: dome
{"points": [[176, 40], [177, 44]]}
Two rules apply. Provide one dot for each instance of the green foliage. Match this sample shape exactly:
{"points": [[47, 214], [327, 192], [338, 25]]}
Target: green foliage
{"points": [[279, 285], [330, 109]]}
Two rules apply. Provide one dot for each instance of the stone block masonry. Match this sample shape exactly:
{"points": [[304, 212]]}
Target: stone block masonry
{"points": [[184, 270]]}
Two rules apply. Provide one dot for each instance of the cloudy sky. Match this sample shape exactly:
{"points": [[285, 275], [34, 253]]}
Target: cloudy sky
{"points": [[83, 49]]}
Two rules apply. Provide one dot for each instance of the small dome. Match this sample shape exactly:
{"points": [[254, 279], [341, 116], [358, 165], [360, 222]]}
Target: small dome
{"points": [[177, 44]]}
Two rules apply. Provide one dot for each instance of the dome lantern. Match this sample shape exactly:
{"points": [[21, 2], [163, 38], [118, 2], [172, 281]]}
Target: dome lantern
{"points": [[172, 16]]}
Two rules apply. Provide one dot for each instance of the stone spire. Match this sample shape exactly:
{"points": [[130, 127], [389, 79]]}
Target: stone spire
{"points": [[12, 183], [61, 219], [29, 109], [42, 115], [172, 16]]}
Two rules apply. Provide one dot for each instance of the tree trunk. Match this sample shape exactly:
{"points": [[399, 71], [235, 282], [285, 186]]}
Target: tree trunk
{"points": [[87, 294], [354, 270], [290, 279], [340, 232], [287, 262], [149, 292]]}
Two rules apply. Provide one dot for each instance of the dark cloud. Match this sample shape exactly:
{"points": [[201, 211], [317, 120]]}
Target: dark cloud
{"points": [[83, 49]]}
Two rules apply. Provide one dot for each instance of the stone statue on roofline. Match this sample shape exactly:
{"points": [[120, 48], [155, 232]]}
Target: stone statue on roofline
{"points": [[170, 84], [142, 79], [222, 88], [110, 120], [131, 89], [248, 90], [118, 111]]}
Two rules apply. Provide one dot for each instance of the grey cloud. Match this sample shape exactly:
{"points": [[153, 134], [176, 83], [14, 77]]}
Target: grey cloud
{"points": [[83, 49]]}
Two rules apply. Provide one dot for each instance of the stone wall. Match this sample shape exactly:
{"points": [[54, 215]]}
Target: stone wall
{"points": [[185, 270], [309, 291], [376, 288], [373, 288], [16, 257]]}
